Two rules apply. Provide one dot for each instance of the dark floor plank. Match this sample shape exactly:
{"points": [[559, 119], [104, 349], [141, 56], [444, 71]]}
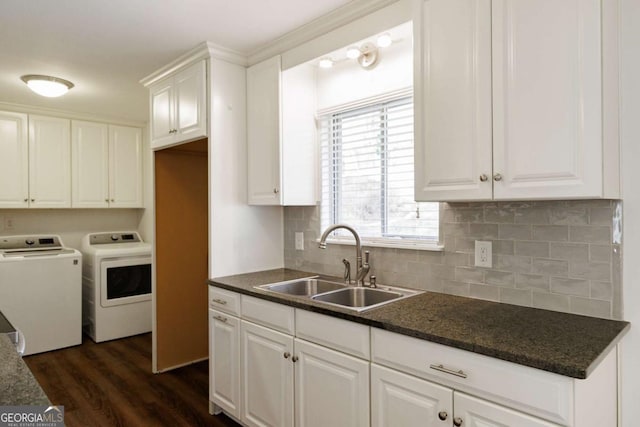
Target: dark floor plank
{"points": [[111, 384]]}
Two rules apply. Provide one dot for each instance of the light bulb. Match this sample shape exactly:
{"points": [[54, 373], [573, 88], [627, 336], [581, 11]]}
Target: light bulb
{"points": [[353, 52], [326, 62], [384, 40]]}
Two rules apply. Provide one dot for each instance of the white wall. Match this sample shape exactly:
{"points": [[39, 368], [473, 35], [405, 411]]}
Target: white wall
{"points": [[630, 139], [242, 238], [347, 82], [69, 224]]}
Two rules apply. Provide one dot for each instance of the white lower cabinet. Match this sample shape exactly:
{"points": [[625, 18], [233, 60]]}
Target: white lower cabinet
{"points": [[473, 412], [399, 399], [332, 388], [273, 365], [224, 368], [267, 376]]}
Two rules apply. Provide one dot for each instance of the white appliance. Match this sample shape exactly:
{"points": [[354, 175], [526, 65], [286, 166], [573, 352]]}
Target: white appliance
{"points": [[116, 285], [41, 291]]}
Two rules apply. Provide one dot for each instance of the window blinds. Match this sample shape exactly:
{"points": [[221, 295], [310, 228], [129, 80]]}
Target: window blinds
{"points": [[367, 173]]}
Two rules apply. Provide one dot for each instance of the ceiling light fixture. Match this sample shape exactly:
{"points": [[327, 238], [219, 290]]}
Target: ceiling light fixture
{"points": [[384, 40], [48, 86], [326, 62], [353, 52], [370, 56]]}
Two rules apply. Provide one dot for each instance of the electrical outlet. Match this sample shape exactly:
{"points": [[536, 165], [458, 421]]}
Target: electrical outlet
{"points": [[299, 240], [9, 223], [483, 254]]}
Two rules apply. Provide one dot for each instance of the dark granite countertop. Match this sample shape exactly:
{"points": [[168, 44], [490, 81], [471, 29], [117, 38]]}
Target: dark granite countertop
{"points": [[17, 384], [562, 343]]}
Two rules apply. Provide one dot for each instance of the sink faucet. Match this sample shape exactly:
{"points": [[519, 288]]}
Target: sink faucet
{"points": [[361, 268]]}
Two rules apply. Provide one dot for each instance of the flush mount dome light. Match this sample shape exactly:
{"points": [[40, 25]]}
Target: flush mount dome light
{"points": [[48, 86]]}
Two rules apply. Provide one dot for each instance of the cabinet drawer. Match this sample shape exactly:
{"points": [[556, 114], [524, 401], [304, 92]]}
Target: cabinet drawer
{"points": [[537, 392], [227, 301], [270, 314], [342, 335]]}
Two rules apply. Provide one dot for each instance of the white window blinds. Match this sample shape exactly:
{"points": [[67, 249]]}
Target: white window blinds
{"points": [[367, 174]]}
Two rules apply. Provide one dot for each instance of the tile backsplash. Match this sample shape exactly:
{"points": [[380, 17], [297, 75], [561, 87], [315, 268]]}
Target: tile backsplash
{"points": [[557, 255]]}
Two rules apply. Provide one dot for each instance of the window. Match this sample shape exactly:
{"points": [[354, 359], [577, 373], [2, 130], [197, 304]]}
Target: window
{"points": [[367, 175]]}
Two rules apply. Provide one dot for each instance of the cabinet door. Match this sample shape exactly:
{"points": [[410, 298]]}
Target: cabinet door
{"points": [[125, 167], [402, 400], [49, 162], [452, 79], [547, 99], [89, 165], [267, 377], [332, 388], [479, 413], [263, 132], [224, 361], [299, 151], [162, 113], [14, 152], [190, 99]]}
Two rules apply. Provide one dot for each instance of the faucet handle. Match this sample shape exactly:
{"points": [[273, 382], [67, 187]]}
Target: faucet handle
{"points": [[372, 281], [366, 257]]}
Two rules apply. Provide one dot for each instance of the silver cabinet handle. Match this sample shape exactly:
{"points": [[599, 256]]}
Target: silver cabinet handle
{"points": [[219, 301], [33, 200], [26, 200], [287, 355], [484, 178], [106, 200], [275, 191], [113, 200], [294, 359], [457, 421], [220, 318], [443, 415], [441, 368], [497, 177]]}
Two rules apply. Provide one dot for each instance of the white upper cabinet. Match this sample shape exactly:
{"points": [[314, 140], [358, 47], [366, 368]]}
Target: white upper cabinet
{"points": [[14, 152], [106, 165], [509, 98], [89, 164], [178, 107], [49, 162], [281, 134], [453, 100], [125, 167]]}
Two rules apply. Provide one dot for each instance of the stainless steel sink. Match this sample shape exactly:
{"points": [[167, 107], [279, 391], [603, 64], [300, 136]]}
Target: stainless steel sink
{"points": [[303, 287], [357, 297]]}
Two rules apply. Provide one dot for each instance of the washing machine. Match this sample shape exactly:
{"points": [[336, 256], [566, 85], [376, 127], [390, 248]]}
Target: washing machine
{"points": [[41, 291], [116, 285]]}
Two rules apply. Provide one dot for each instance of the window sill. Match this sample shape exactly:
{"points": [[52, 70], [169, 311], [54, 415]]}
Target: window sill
{"points": [[430, 246]]}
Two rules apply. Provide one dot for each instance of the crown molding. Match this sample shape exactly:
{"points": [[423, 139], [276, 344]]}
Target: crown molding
{"points": [[204, 50], [66, 114], [318, 27]]}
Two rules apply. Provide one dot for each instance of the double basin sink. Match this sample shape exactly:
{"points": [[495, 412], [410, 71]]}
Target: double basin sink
{"points": [[357, 298]]}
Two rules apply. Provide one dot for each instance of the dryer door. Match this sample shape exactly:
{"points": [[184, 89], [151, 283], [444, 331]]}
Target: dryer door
{"points": [[125, 281]]}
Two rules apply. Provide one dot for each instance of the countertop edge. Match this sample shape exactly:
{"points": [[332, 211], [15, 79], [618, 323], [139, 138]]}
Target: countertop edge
{"points": [[522, 360]]}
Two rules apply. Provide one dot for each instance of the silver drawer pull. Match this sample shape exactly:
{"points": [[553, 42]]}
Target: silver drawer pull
{"points": [[220, 318], [219, 301], [441, 368]]}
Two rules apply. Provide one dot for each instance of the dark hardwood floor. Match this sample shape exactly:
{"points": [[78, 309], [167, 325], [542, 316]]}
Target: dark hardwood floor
{"points": [[111, 384]]}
